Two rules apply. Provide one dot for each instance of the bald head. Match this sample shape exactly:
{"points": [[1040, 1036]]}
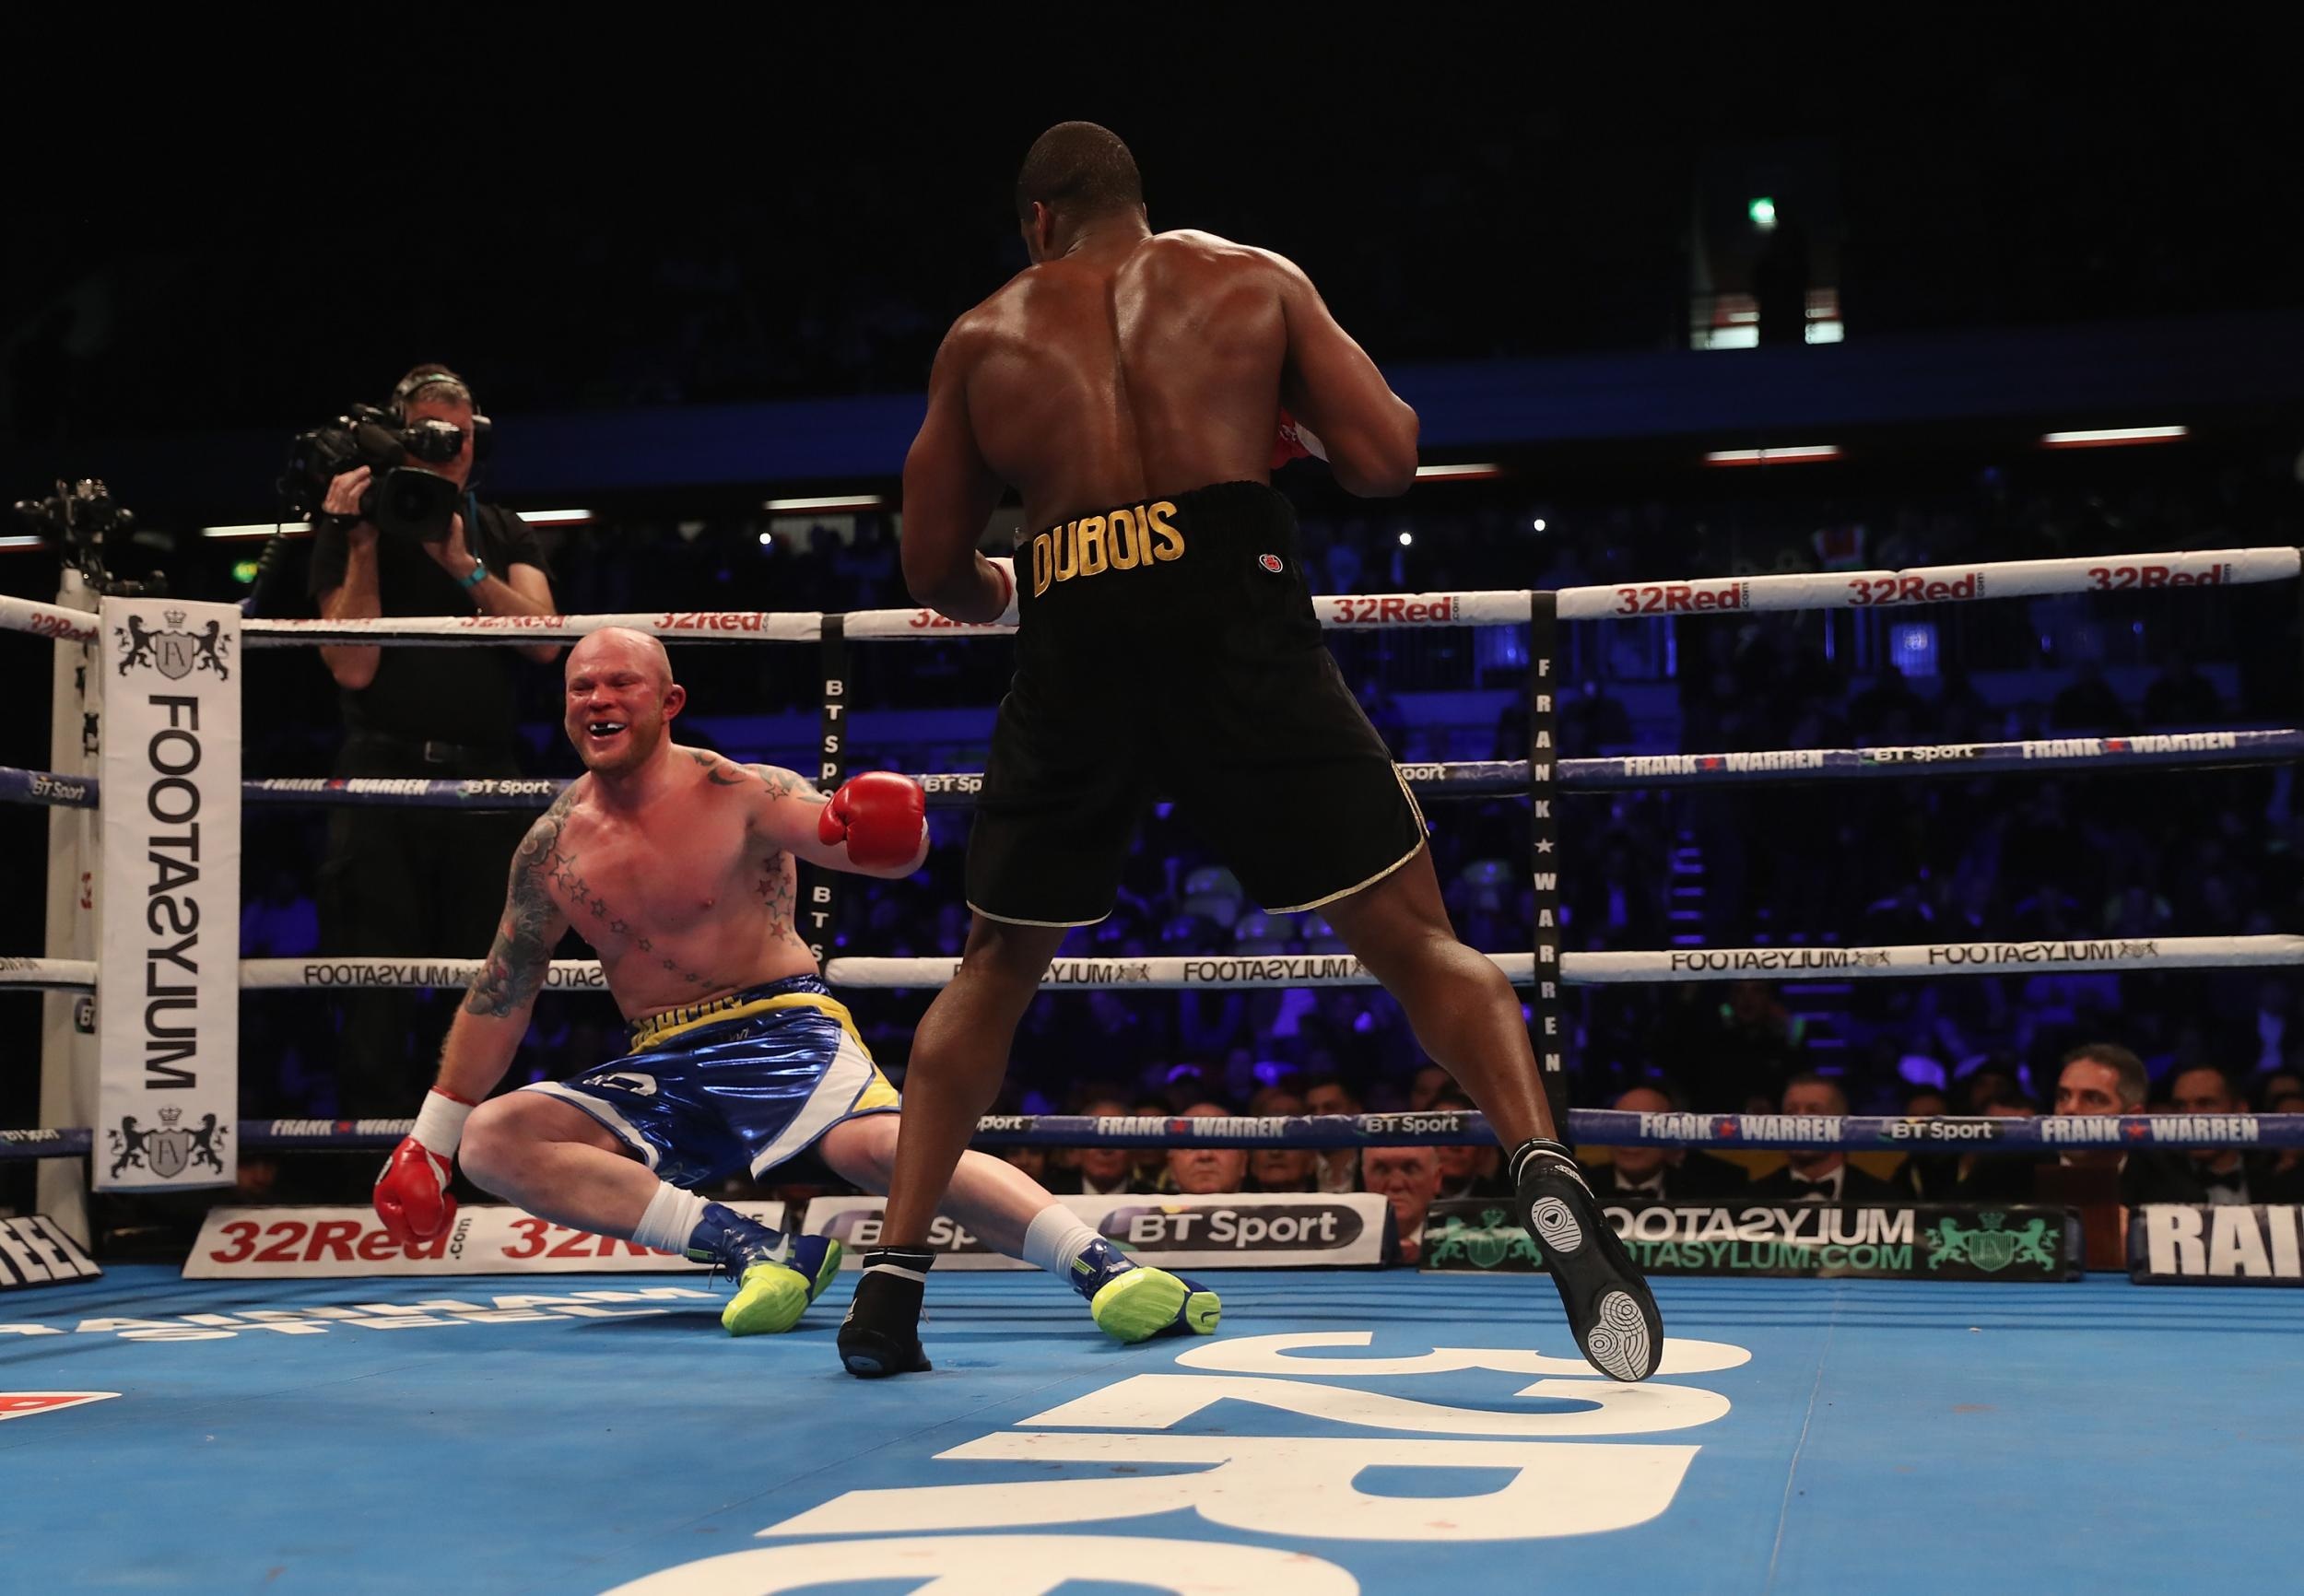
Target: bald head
{"points": [[620, 700], [614, 646]]}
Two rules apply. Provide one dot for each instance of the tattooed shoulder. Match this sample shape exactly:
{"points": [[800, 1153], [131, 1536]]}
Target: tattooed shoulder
{"points": [[717, 770], [780, 782], [517, 963], [533, 855]]}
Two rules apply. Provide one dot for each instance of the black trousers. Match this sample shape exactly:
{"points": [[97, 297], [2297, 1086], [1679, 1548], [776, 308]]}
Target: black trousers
{"points": [[402, 882]]}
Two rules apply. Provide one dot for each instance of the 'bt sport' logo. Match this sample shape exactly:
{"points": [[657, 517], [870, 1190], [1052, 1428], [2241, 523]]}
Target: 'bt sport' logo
{"points": [[1174, 1228]]}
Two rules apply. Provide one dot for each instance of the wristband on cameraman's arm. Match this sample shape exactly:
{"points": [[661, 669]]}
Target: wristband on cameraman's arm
{"points": [[478, 574]]}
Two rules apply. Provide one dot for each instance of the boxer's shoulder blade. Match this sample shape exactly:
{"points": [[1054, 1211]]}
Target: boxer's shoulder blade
{"points": [[1099, 379]]}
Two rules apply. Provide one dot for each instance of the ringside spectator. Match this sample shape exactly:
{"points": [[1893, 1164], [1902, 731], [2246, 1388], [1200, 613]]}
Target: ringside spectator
{"points": [[1825, 1176], [1197, 1172], [1408, 1178]]}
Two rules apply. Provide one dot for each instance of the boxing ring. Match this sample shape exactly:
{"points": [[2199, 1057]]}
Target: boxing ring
{"points": [[1896, 1437], [1344, 1431]]}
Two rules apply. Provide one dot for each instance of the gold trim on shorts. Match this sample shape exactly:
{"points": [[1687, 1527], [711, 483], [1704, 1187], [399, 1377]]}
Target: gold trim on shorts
{"points": [[659, 1027], [1421, 841], [1045, 924]]}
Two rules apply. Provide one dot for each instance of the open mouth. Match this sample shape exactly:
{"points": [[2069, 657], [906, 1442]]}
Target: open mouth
{"points": [[601, 731]]}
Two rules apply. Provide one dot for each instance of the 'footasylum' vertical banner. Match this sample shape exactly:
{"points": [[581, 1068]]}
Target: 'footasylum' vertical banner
{"points": [[168, 964]]}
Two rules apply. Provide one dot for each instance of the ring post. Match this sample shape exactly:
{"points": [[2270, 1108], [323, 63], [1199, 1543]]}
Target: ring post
{"points": [[1546, 1010], [68, 1027], [832, 763]]}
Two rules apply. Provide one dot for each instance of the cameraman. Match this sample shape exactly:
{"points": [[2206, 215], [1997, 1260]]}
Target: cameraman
{"points": [[403, 881]]}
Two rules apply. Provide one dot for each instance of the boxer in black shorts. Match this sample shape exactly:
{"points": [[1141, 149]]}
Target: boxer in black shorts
{"points": [[1131, 387], [1169, 649]]}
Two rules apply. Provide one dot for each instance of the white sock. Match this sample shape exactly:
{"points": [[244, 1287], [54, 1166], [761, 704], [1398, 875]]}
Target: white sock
{"points": [[669, 1220], [1055, 1239]]}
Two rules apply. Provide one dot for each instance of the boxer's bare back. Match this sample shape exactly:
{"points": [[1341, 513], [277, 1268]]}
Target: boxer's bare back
{"points": [[1130, 363]]}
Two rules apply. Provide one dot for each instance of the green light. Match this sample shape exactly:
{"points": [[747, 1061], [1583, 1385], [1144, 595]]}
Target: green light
{"points": [[244, 572], [1762, 211]]}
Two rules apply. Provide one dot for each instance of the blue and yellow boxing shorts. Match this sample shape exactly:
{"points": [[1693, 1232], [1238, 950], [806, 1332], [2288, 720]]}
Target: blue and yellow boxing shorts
{"points": [[741, 1082]]}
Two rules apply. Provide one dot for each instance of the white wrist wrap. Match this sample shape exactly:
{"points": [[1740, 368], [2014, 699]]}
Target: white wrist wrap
{"points": [[1008, 568], [439, 1123]]}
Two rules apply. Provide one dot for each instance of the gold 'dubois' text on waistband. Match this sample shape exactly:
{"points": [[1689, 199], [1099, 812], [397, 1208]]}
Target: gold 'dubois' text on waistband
{"points": [[1130, 538]]}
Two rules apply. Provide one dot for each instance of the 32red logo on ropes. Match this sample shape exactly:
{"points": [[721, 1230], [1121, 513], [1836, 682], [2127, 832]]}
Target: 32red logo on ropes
{"points": [[1912, 588], [931, 619], [1394, 609], [1670, 598], [2118, 578], [713, 621]]}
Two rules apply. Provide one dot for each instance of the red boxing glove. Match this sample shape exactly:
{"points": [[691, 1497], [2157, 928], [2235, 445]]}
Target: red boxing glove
{"points": [[880, 815], [411, 1195], [1296, 442]]}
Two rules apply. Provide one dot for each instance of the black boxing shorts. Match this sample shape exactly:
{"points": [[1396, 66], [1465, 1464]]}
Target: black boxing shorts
{"points": [[1169, 649]]}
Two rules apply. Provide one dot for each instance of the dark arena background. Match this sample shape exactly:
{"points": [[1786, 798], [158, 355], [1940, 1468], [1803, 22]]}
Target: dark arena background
{"points": [[1844, 637]]}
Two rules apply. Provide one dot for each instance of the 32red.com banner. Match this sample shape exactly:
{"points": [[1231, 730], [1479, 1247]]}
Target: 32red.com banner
{"points": [[351, 1243]]}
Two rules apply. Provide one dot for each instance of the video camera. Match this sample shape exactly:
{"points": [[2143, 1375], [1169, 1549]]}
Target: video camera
{"points": [[84, 524], [404, 500]]}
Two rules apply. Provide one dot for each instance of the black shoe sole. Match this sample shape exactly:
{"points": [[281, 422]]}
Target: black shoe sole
{"points": [[881, 1334], [869, 1355], [1609, 1307]]}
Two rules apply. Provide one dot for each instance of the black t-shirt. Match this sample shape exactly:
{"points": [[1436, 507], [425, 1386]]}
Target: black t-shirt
{"points": [[453, 695]]}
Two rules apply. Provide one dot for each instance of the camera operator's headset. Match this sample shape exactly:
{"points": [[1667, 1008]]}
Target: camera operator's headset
{"points": [[483, 437], [483, 430], [423, 377]]}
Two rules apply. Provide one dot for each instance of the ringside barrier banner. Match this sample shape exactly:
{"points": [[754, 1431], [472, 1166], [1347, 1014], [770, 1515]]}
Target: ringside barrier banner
{"points": [[351, 1244], [1239, 1230], [2216, 1244], [1863, 1241]]}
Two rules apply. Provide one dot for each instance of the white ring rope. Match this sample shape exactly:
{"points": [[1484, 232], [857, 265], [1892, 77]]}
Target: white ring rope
{"points": [[48, 974], [1243, 971], [1691, 963], [321, 973], [1700, 595], [1930, 584], [446, 631], [47, 620]]}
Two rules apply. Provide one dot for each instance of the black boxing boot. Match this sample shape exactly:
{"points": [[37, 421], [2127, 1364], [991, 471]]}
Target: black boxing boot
{"points": [[881, 1334], [1609, 1308]]}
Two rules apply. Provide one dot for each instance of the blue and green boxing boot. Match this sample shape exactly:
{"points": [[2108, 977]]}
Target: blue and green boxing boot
{"points": [[1133, 1302], [777, 1275]]}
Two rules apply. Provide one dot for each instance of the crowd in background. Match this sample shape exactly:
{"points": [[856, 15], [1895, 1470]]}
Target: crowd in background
{"points": [[2070, 855], [2128, 855]]}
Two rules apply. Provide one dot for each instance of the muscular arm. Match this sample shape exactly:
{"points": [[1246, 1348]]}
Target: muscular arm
{"points": [[784, 816], [355, 598], [519, 589], [949, 494], [523, 589], [1329, 380], [486, 1030]]}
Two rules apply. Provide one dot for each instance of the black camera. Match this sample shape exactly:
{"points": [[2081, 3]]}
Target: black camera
{"points": [[404, 500], [87, 527]]}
